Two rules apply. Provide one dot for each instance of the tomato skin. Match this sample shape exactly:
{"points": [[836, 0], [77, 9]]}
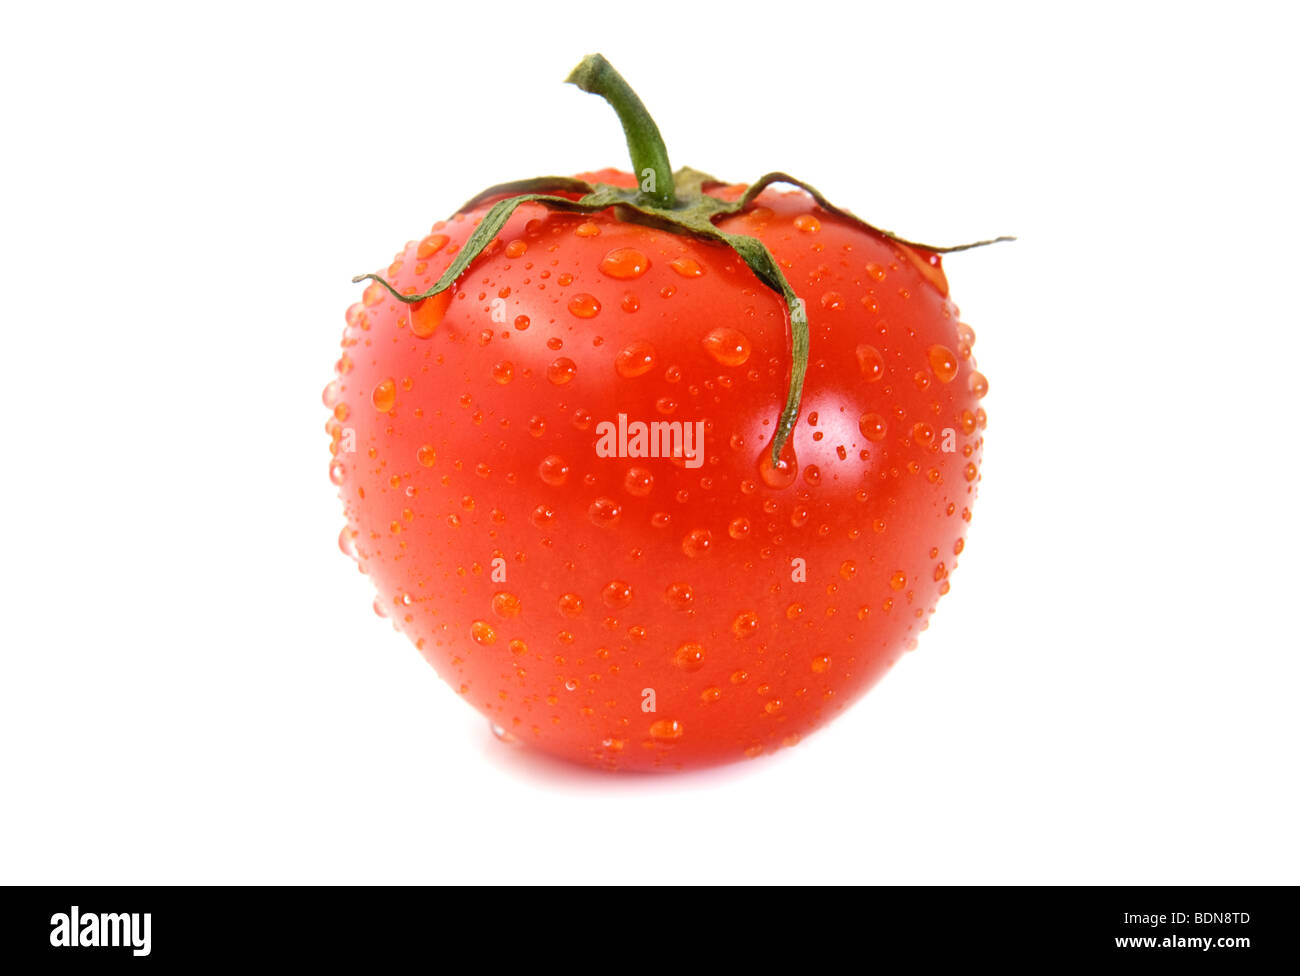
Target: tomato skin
{"points": [[624, 576]]}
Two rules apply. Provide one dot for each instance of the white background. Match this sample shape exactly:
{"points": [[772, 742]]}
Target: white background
{"points": [[194, 688]]}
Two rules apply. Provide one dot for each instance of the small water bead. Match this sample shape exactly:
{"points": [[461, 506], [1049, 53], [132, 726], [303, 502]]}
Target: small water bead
{"points": [[730, 347], [348, 542], [570, 605], [336, 472], [503, 372], [697, 542], [680, 596], [711, 694], [739, 528], [536, 425], [666, 730], [430, 246], [384, 396], [624, 263], [516, 248], [686, 267], [505, 605], [587, 229], [616, 594], [553, 470], [509, 738], [807, 224], [542, 515], [639, 482], [689, 657], [373, 295], [978, 384], [425, 316], [873, 426], [636, 359], [870, 363], [604, 512], [562, 371], [584, 306], [821, 664], [970, 472], [745, 624], [522, 322], [898, 580], [782, 472], [848, 569], [482, 633], [944, 363]]}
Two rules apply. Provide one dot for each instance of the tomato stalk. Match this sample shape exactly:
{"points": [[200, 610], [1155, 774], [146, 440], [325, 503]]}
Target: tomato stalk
{"points": [[644, 143], [677, 202]]}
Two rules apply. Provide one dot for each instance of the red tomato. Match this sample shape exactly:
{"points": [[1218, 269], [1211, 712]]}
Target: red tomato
{"points": [[657, 612]]}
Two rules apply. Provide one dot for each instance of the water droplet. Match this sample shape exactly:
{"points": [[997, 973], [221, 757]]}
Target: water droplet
{"points": [[424, 317], [636, 359], [503, 372], [570, 605], [873, 426], [978, 384], [697, 543], [745, 624], [871, 363], [638, 482], [516, 248], [616, 594], [562, 371], [553, 470], [782, 472], [348, 542], [584, 306], [384, 396], [821, 664], [739, 528], [666, 730], [807, 223], [898, 580], [680, 596], [689, 657], [624, 263], [336, 472], [686, 267], [522, 322], [505, 605], [482, 633], [604, 512], [730, 347], [507, 737], [848, 569], [430, 246], [944, 363]]}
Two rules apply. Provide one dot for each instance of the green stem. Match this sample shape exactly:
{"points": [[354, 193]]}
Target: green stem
{"points": [[644, 143]]}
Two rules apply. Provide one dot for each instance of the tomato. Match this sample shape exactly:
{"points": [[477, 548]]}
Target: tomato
{"points": [[564, 478]]}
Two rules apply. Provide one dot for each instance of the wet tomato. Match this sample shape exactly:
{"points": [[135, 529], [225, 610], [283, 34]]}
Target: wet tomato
{"points": [[565, 477]]}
